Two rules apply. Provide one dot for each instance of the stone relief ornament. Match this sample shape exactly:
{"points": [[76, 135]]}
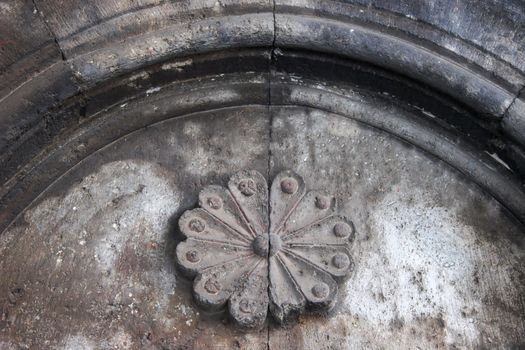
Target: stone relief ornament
{"points": [[283, 253]]}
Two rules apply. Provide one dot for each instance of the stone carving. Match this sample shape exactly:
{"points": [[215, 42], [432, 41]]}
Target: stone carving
{"points": [[285, 252]]}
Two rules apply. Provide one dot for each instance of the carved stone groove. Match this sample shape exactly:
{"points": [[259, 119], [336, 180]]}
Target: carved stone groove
{"points": [[284, 251]]}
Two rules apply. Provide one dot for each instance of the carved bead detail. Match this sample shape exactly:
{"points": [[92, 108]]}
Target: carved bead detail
{"points": [[215, 202], [322, 202], [192, 256], [289, 185], [341, 261], [212, 286], [320, 290], [280, 251], [247, 187], [197, 225], [343, 229], [245, 306]]}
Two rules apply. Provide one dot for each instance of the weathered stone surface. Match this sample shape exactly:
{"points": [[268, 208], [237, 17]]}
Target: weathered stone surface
{"points": [[24, 108], [149, 104], [440, 265], [82, 27], [471, 21], [489, 172], [440, 262], [91, 264], [514, 120], [151, 31], [475, 62], [399, 53], [26, 48], [459, 29], [98, 269], [34, 77]]}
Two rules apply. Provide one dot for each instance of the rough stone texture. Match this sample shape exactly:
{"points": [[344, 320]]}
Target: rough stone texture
{"points": [[462, 28], [147, 104], [397, 52], [22, 31], [469, 51], [151, 31], [475, 22], [514, 119], [240, 31], [439, 264], [91, 264], [98, 268], [376, 110], [34, 76], [442, 262], [81, 27], [24, 106]]}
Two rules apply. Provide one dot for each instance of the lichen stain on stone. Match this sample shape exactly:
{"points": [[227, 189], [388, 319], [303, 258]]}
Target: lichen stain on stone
{"points": [[206, 151], [76, 342], [440, 262], [110, 233], [421, 265]]}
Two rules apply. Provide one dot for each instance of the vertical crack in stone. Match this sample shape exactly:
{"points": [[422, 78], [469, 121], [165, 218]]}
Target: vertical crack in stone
{"points": [[271, 63], [518, 94], [50, 30]]}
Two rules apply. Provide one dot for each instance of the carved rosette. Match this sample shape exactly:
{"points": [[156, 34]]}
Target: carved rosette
{"points": [[285, 253]]}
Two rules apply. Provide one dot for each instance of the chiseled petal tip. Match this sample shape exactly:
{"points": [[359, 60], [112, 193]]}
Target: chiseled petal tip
{"points": [[214, 286], [196, 255], [322, 296], [287, 189], [248, 306], [248, 184], [209, 292], [285, 313], [286, 301], [187, 259]]}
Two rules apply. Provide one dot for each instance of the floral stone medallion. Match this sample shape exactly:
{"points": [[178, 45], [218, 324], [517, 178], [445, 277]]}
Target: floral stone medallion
{"points": [[283, 253]]}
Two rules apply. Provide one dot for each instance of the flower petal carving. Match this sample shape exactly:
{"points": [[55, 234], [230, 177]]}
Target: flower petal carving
{"points": [[250, 190], [318, 288], [214, 286], [194, 255], [283, 201], [249, 305], [313, 207], [287, 299], [283, 253], [220, 204]]}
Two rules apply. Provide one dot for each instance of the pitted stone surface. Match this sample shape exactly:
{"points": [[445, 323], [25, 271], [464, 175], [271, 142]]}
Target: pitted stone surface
{"points": [[239, 245], [91, 266], [439, 264]]}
